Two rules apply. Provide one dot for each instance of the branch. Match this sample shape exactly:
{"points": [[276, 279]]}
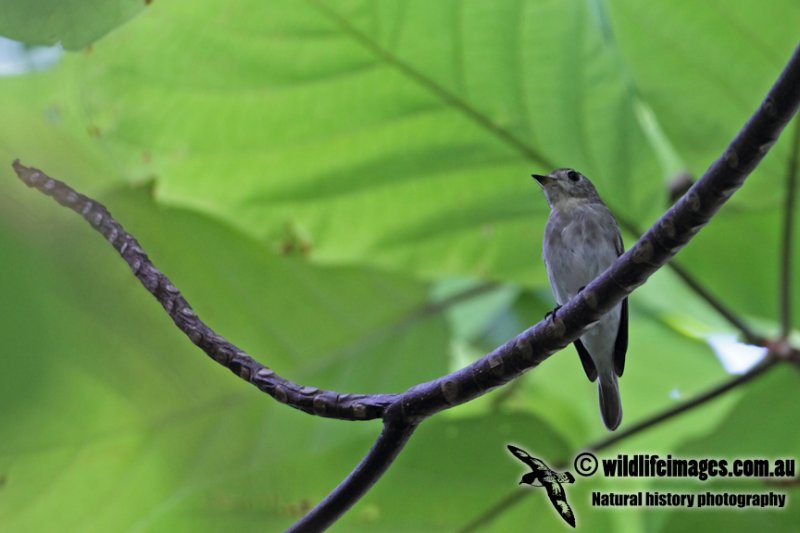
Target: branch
{"points": [[488, 516], [390, 442], [309, 399], [513, 498], [785, 289]]}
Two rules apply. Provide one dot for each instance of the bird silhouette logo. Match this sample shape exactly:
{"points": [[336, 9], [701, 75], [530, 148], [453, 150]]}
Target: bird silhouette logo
{"points": [[542, 475]]}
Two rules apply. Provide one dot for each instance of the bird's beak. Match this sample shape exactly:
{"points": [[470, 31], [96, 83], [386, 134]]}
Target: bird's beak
{"points": [[543, 180]]}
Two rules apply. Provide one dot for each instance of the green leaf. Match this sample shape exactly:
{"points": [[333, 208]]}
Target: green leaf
{"points": [[73, 23], [112, 418], [377, 139], [769, 436], [703, 69], [323, 116], [757, 428]]}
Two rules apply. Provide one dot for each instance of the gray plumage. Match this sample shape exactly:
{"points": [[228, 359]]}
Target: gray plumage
{"points": [[581, 240]]}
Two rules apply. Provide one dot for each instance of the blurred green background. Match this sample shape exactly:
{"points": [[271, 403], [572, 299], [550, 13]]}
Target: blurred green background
{"points": [[342, 189]]}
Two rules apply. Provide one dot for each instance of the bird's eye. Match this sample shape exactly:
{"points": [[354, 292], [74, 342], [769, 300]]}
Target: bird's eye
{"points": [[574, 176]]}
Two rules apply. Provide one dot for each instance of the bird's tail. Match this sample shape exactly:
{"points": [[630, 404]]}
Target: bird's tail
{"points": [[610, 404]]}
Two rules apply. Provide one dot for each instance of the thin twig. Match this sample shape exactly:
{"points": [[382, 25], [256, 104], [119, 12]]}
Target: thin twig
{"points": [[785, 289], [749, 336], [515, 497], [727, 313], [698, 400], [392, 439], [489, 515]]}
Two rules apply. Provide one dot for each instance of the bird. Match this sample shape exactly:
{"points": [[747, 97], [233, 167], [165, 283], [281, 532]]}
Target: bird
{"points": [[542, 475], [581, 240]]}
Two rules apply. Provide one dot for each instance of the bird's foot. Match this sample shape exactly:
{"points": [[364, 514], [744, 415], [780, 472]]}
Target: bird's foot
{"points": [[552, 314]]}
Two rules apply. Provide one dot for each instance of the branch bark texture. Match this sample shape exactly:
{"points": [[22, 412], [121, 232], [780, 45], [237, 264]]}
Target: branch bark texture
{"points": [[309, 399]]}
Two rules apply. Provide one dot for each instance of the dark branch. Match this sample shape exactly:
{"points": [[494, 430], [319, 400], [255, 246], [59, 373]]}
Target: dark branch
{"points": [[392, 439], [513, 498], [785, 288], [309, 399]]}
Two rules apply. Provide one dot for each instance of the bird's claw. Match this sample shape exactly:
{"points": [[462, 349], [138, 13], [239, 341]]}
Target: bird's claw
{"points": [[552, 314]]}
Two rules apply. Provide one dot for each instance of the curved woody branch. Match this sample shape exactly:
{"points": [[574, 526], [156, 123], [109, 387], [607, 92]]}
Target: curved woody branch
{"points": [[390, 442], [309, 399], [403, 412]]}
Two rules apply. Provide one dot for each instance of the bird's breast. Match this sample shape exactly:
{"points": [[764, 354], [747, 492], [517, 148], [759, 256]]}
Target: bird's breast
{"points": [[577, 247]]}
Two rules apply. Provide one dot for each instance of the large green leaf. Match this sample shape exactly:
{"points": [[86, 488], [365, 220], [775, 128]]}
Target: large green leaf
{"points": [[378, 139], [73, 23], [759, 427], [45, 124], [448, 469], [111, 417], [703, 69]]}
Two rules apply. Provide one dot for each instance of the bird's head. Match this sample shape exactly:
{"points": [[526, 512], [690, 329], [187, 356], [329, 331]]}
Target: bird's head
{"points": [[564, 186]]}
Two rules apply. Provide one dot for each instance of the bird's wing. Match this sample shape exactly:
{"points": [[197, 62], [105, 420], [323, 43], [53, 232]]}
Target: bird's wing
{"points": [[528, 459], [559, 498], [586, 360], [618, 242], [621, 343]]}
